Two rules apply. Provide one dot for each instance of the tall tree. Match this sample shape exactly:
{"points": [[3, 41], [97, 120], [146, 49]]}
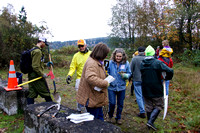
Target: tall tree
{"points": [[16, 35], [188, 16], [123, 22]]}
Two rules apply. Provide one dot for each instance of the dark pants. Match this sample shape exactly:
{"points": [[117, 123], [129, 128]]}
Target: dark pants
{"points": [[152, 103], [97, 112]]}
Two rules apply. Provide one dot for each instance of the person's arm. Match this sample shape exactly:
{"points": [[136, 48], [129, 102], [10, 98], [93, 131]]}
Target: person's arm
{"points": [[128, 70], [73, 66], [132, 66], [93, 78], [168, 70], [171, 63]]}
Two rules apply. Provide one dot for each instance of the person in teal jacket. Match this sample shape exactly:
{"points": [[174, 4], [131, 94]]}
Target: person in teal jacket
{"points": [[38, 87], [152, 88], [119, 68]]}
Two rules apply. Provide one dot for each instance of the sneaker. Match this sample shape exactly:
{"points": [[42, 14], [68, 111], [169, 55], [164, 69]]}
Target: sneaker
{"points": [[141, 115], [119, 122]]}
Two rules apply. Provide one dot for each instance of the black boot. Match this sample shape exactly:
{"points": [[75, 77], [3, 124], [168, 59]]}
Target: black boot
{"points": [[48, 99], [152, 118], [30, 101], [148, 115]]}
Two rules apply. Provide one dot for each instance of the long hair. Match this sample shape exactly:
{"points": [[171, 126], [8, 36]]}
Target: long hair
{"points": [[100, 51], [119, 50]]}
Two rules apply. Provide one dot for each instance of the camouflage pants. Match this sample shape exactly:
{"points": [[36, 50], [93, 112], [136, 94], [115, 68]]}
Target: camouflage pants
{"points": [[38, 87]]}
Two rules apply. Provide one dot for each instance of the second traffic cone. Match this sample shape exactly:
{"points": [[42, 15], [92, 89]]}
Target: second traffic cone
{"points": [[12, 79]]}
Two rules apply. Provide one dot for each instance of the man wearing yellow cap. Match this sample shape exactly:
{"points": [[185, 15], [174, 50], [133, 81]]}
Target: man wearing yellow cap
{"points": [[78, 62]]}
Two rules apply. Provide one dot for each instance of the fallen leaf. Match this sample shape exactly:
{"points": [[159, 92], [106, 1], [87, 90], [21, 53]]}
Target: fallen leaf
{"points": [[178, 90], [183, 117], [169, 107], [182, 126]]}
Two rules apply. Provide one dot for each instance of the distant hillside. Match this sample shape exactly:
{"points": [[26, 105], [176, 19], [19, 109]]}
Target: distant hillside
{"points": [[90, 42]]}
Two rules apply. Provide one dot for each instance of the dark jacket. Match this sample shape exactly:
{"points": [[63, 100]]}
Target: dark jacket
{"points": [[151, 70]]}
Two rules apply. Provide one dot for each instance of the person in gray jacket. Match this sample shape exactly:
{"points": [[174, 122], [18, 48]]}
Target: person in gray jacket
{"points": [[137, 81]]}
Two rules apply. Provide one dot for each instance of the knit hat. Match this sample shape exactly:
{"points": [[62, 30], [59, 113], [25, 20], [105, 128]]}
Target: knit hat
{"points": [[149, 51], [141, 49]]}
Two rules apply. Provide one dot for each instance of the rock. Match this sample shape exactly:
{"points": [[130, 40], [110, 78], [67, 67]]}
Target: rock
{"points": [[60, 124]]}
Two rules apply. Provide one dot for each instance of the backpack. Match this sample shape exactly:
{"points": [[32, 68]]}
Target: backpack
{"points": [[26, 61]]}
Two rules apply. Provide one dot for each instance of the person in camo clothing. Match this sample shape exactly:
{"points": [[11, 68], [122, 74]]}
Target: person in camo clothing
{"points": [[38, 87]]}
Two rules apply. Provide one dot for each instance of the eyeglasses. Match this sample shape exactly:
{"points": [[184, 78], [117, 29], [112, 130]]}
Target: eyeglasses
{"points": [[79, 46]]}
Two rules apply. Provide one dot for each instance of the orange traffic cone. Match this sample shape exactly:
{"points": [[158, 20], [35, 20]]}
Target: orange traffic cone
{"points": [[12, 79]]}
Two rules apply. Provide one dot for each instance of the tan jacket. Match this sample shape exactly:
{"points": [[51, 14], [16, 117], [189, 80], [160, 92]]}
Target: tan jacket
{"points": [[93, 75]]}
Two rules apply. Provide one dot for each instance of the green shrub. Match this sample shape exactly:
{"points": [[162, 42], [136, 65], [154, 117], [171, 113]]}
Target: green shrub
{"points": [[66, 50], [62, 57], [191, 57]]}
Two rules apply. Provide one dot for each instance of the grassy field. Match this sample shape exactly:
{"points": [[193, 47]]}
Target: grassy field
{"points": [[183, 112]]}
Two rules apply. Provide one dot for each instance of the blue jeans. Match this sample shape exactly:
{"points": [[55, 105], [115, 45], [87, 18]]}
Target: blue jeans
{"points": [[138, 95], [97, 112], [167, 86], [112, 101]]}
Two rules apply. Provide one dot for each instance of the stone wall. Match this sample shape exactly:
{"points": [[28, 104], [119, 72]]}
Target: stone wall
{"points": [[59, 124], [12, 102]]}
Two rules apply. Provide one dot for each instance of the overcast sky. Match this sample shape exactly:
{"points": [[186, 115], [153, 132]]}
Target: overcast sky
{"points": [[68, 19]]}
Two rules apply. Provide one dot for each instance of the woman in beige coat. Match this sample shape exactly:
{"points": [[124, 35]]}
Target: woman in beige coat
{"points": [[93, 76]]}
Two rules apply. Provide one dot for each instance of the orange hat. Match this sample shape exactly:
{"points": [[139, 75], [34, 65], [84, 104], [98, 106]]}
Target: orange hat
{"points": [[81, 42]]}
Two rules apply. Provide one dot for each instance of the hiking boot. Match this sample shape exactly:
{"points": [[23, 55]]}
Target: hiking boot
{"points": [[110, 120], [119, 122], [150, 125], [148, 115], [141, 115], [153, 117]]}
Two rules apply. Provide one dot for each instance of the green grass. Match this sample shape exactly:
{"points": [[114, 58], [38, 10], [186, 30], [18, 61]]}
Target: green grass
{"points": [[183, 112], [11, 124]]}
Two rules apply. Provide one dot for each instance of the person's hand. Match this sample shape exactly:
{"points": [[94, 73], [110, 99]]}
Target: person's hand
{"points": [[45, 75], [49, 64], [124, 75], [68, 79]]}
